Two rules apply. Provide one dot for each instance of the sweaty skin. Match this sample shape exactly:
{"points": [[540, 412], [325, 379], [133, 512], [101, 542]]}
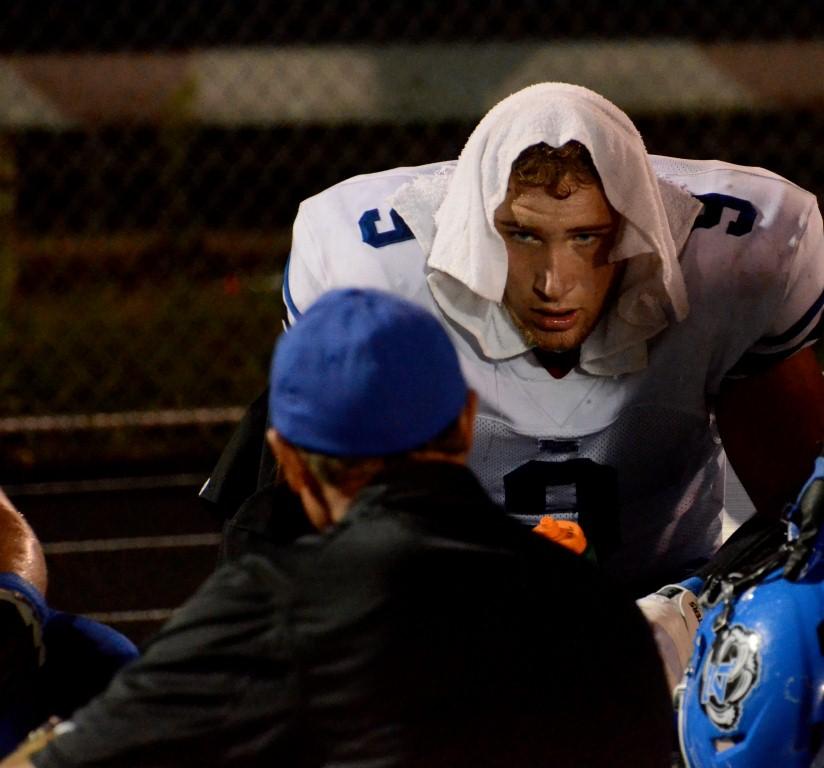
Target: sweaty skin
{"points": [[559, 276], [20, 550]]}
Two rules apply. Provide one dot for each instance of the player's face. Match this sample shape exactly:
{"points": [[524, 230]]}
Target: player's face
{"points": [[559, 275]]}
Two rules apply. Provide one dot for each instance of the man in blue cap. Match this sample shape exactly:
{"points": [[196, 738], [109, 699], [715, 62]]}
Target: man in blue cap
{"points": [[419, 626]]}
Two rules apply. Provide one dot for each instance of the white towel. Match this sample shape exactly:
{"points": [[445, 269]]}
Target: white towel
{"points": [[467, 263]]}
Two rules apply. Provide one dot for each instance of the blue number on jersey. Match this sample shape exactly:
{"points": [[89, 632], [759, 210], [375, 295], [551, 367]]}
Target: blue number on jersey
{"points": [[714, 205], [371, 236]]}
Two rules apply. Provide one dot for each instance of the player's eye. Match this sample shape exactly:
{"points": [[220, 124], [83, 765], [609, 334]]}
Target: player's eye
{"points": [[522, 236], [586, 238]]}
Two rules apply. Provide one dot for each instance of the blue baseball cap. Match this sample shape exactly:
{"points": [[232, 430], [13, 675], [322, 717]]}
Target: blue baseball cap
{"points": [[364, 373]]}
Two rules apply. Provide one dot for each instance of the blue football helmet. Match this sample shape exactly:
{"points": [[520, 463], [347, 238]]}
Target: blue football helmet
{"points": [[753, 692]]}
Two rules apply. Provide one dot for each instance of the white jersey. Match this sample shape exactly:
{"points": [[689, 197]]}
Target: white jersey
{"points": [[635, 458]]}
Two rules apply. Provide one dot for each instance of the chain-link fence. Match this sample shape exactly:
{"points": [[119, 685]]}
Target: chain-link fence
{"points": [[152, 156]]}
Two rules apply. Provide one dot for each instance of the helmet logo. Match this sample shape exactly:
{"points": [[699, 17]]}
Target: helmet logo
{"points": [[730, 674]]}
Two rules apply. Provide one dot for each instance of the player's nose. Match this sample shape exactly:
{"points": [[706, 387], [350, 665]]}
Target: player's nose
{"points": [[552, 278]]}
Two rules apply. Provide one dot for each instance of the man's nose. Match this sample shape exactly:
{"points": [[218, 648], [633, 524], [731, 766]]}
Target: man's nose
{"points": [[552, 279]]}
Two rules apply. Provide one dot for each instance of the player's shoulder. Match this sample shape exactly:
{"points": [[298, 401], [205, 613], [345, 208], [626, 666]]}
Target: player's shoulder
{"points": [[368, 189], [716, 180], [351, 235]]}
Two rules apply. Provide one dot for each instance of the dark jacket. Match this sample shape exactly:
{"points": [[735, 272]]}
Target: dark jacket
{"points": [[426, 629]]}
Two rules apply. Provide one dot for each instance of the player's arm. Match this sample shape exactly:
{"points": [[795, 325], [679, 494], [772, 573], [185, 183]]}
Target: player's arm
{"points": [[770, 406], [770, 415], [772, 425], [18, 760], [20, 551], [35, 742]]}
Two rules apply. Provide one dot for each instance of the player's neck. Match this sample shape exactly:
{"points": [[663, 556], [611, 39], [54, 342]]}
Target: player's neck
{"points": [[558, 364]]}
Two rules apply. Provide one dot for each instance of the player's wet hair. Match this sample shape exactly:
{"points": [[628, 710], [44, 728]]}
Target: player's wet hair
{"points": [[559, 170], [348, 472]]}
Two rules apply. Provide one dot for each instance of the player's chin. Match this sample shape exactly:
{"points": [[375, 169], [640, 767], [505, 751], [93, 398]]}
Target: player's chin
{"points": [[558, 341]]}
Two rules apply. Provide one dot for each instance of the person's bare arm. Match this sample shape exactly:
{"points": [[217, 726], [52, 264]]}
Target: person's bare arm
{"points": [[20, 550], [36, 740], [16, 762], [19, 758], [772, 427]]}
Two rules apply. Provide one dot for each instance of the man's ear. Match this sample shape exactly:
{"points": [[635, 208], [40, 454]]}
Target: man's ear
{"points": [[288, 460], [300, 479]]}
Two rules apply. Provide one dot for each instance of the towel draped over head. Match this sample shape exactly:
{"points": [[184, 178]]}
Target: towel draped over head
{"points": [[452, 216]]}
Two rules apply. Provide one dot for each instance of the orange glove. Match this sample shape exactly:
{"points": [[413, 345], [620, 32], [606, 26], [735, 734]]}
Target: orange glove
{"points": [[563, 532]]}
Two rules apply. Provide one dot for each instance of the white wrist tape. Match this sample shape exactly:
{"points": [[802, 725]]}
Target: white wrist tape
{"points": [[673, 614]]}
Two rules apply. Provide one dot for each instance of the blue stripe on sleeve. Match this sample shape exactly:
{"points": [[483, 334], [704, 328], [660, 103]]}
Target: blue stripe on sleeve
{"points": [[755, 362], [287, 295], [797, 327]]}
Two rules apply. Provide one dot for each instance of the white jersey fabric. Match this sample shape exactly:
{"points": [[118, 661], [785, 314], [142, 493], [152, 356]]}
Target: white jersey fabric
{"points": [[634, 457]]}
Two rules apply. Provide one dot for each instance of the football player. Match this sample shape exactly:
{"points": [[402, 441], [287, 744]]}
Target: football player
{"points": [[626, 319]]}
